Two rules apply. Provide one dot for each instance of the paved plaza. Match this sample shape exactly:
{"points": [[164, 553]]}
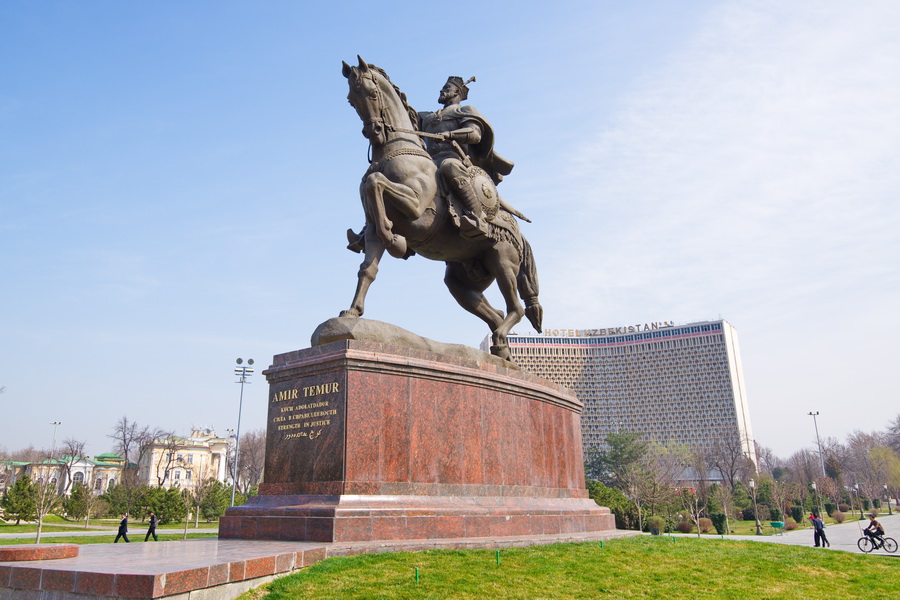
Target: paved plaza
{"points": [[842, 537]]}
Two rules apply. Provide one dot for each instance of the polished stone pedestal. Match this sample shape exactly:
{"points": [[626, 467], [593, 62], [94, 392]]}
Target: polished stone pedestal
{"points": [[371, 442]]}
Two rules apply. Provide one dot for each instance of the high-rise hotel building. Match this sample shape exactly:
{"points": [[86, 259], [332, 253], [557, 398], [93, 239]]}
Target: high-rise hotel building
{"points": [[675, 384]]}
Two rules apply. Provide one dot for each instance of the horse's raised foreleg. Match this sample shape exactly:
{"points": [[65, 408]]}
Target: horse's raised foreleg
{"points": [[368, 269], [373, 191]]}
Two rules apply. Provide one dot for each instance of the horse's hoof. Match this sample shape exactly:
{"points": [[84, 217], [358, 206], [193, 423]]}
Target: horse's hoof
{"points": [[397, 247], [502, 352]]}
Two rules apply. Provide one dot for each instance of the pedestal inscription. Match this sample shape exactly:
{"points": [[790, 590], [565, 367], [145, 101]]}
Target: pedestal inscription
{"points": [[305, 439]]}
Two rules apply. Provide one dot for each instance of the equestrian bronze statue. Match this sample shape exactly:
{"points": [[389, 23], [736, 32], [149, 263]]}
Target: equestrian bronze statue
{"points": [[440, 201]]}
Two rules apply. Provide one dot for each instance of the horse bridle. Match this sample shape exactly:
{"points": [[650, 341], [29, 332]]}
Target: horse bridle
{"points": [[380, 109]]}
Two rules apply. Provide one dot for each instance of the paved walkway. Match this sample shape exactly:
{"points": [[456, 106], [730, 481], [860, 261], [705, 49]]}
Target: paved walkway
{"points": [[842, 537], [133, 533]]}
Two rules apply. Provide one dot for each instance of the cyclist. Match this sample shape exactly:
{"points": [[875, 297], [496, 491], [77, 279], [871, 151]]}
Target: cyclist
{"points": [[875, 532]]}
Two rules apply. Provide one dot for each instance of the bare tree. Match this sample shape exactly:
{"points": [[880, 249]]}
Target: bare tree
{"points": [[768, 462], [166, 459], [650, 480], [29, 454], [72, 452], [253, 459], [722, 495], [782, 494], [803, 467], [132, 442], [893, 434], [730, 460], [46, 493], [864, 470], [200, 474]]}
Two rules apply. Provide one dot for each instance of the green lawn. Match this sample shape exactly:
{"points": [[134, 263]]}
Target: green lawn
{"points": [[639, 567]]}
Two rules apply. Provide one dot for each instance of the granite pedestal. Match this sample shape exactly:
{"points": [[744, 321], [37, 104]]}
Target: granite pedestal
{"points": [[371, 442]]}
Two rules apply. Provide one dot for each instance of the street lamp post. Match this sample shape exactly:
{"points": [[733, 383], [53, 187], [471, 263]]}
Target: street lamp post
{"points": [[818, 443], [755, 507], [53, 445], [243, 372], [858, 501], [887, 494]]}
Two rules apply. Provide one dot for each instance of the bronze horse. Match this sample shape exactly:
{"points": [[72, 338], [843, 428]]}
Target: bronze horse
{"points": [[406, 214]]}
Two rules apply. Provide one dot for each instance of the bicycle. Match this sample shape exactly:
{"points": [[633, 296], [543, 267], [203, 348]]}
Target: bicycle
{"points": [[866, 544]]}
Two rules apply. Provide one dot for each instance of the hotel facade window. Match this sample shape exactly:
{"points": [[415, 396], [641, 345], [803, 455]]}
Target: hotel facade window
{"points": [[682, 384]]}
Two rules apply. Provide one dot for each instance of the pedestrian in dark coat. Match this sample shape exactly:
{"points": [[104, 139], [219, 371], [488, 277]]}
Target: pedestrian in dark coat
{"points": [[123, 529], [152, 529], [819, 531]]}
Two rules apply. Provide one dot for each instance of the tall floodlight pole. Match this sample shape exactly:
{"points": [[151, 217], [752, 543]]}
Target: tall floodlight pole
{"points": [[243, 372], [887, 494], [821, 456], [755, 507], [53, 445]]}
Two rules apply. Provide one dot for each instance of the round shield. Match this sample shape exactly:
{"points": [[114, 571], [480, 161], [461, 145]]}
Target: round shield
{"points": [[485, 190]]}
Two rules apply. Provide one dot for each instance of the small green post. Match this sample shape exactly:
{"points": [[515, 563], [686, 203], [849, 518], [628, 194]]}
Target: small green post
{"points": [[601, 544], [417, 575], [498, 558], [674, 539]]}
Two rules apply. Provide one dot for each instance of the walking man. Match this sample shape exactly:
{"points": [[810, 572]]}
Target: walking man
{"points": [[152, 529], [819, 531], [123, 529]]}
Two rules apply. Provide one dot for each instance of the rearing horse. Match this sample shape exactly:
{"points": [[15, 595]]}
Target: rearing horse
{"points": [[406, 214]]}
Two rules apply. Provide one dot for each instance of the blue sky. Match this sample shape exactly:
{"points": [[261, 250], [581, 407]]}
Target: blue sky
{"points": [[176, 180]]}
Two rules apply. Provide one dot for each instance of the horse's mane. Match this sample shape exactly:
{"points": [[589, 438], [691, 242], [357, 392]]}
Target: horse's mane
{"points": [[410, 111]]}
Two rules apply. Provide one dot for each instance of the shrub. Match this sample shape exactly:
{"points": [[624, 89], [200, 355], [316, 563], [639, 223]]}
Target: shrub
{"points": [[876, 502], [706, 525], [657, 523], [616, 501], [790, 524], [838, 516], [865, 503], [775, 514], [718, 521], [843, 507], [747, 514], [829, 508], [797, 513], [685, 526]]}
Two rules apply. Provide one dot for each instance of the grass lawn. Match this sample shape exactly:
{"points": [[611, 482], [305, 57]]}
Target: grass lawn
{"points": [[640, 567]]}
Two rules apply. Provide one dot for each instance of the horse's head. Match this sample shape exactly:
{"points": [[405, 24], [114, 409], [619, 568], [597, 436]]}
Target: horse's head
{"points": [[377, 101], [368, 99]]}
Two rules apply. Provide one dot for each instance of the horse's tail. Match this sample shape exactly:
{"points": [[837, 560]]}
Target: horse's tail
{"points": [[527, 282]]}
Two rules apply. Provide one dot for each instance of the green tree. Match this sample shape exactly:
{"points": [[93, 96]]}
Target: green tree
{"points": [[611, 466], [615, 501], [76, 504], [123, 498], [18, 501], [215, 501], [167, 504]]}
